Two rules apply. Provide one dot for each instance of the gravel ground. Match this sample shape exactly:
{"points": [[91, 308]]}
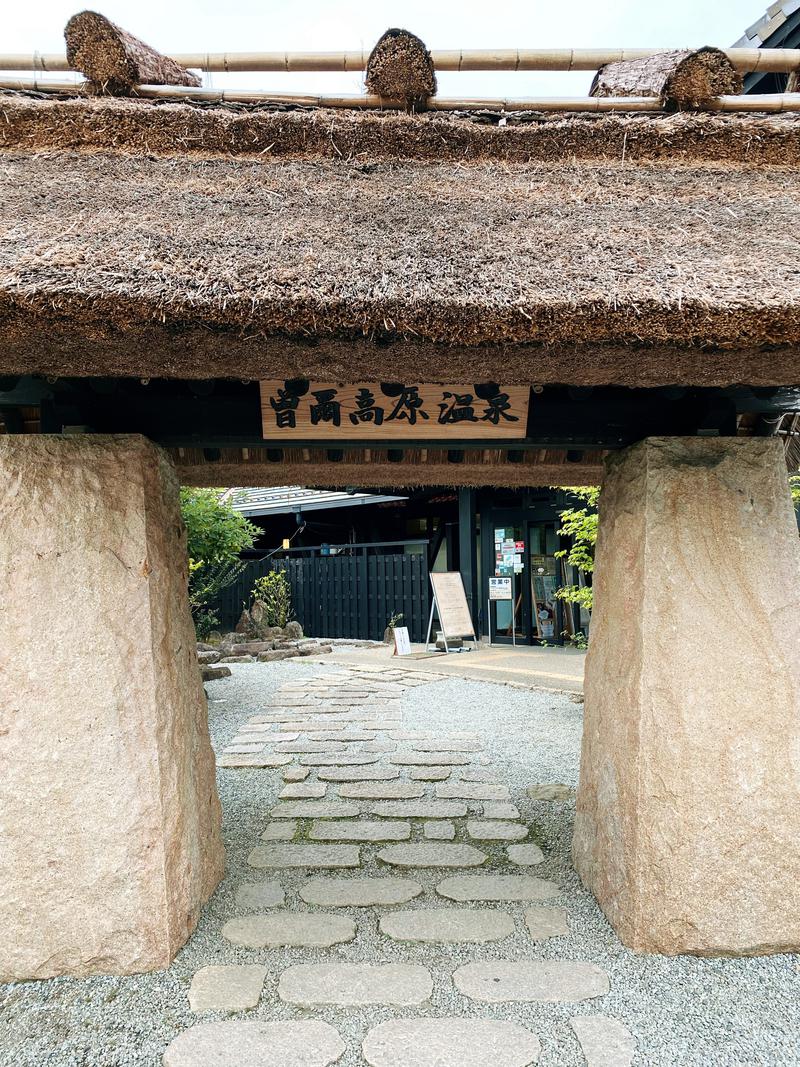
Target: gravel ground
{"points": [[681, 1011]]}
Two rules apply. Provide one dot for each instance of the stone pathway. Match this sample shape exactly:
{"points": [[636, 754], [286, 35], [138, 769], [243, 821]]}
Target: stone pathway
{"points": [[414, 833]]}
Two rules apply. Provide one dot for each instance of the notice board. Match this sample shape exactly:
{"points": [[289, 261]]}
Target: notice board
{"points": [[451, 604]]}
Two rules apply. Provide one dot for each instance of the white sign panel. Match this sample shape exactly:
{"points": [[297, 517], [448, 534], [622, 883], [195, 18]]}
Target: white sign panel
{"points": [[402, 642], [500, 589]]}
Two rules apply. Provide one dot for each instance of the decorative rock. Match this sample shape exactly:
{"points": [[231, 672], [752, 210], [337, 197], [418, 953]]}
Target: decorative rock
{"points": [[301, 855], [257, 895], [303, 929], [429, 774], [439, 830], [525, 855], [452, 745], [382, 791], [472, 791], [238, 659], [555, 791], [314, 809], [495, 830], [462, 925], [360, 830], [449, 1042], [232, 988], [604, 1041], [296, 774], [423, 759], [546, 922], [253, 759], [343, 759], [359, 892], [356, 984], [212, 673], [426, 855], [208, 656], [419, 809], [253, 1044], [508, 887], [279, 831], [359, 774], [497, 809], [543, 981], [303, 791]]}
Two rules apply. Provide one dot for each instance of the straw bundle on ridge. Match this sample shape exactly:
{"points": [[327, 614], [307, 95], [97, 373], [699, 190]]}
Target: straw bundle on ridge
{"points": [[400, 68], [114, 61], [681, 79]]}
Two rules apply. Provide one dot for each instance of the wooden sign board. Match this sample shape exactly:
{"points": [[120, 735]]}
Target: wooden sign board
{"points": [[451, 604], [374, 411], [402, 642]]}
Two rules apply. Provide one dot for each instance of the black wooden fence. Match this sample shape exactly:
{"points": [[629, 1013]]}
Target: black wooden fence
{"points": [[351, 592]]}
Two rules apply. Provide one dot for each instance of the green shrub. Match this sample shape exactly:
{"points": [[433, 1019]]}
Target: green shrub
{"points": [[275, 593]]}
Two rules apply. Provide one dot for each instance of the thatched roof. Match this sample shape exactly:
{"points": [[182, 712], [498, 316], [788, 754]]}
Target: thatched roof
{"points": [[486, 252]]}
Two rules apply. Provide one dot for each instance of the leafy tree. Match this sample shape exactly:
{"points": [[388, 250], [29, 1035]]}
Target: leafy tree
{"points": [[580, 524], [275, 593], [794, 485]]}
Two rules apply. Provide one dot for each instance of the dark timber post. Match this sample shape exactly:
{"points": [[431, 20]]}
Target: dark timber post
{"points": [[467, 550]]}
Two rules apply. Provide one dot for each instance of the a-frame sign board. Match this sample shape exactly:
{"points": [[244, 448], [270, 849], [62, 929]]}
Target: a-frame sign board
{"points": [[451, 608]]}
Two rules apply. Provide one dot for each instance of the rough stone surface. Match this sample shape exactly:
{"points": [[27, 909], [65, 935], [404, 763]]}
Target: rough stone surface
{"points": [[252, 759], [232, 988], [314, 809], [303, 791], [419, 809], [546, 922], [525, 855], [686, 813], [450, 1042], [495, 830], [360, 830], [355, 984], [496, 809], [255, 1044], [283, 830], [382, 791], [461, 925], [256, 895], [422, 759], [550, 791], [472, 791], [604, 1041], [302, 929], [212, 672], [358, 774], [111, 823], [302, 855], [296, 774], [439, 830], [430, 855], [429, 774], [497, 887], [545, 981], [336, 759], [359, 892]]}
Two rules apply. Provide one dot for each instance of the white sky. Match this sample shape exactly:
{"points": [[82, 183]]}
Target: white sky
{"points": [[317, 25]]}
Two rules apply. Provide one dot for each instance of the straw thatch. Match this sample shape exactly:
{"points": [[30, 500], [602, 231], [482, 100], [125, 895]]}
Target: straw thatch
{"points": [[114, 61], [114, 263], [400, 68], [683, 79]]}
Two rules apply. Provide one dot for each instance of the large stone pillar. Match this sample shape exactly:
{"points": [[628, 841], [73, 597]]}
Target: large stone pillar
{"points": [[109, 816], [689, 797]]}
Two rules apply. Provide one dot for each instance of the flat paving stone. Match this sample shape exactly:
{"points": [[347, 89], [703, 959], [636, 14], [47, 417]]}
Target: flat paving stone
{"points": [[296, 774], [447, 745], [430, 855], [525, 855], [450, 1042], [546, 922], [460, 925], [604, 1041], [248, 746], [429, 774], [342, 735], [419, 809], [339, 759], [499, 809], [301, 929], [495, 830], [280, 831], [359, 774], [303, 855], [381, 791], [359, 892], [421, 759], [303, 791], [356, 984], [230, 988], [471, 791], [311, 746], [378, 746], [255, 895], [251, 739], [508, 887], [542, 981], [253, 759], [439, 830], [477, 774], [314, 809], [255, 1044], [360, 830]]}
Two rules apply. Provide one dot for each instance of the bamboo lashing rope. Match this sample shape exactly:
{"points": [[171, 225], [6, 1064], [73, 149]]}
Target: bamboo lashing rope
{"points": [[762, 60]]}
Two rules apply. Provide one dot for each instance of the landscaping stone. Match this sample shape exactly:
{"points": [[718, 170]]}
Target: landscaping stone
{"points": [[296, 774], [461, 925], [302, 855], [335, 759], [252, 759], [382, 791], [477, 774], [311, 746], [314, 809], [471, 791], [303, 791], [256, 895], [356, 984], [238, 659], [360, 830], [378, 746], [546, 922], [450, 1042], [525, 855], [439, 830], [542, 981], [509, 887], [359, 892], [498, 809], [604, 1041], [208, 656], [422, 759], [342, 735], [212, 673], [302, 929], [231, 988], [495, 830], [452, 745], [280, 831], [429, 855], [429, 774], [255, 1044], [248, 746], [358, 774], [556, 791], [419, 809]]}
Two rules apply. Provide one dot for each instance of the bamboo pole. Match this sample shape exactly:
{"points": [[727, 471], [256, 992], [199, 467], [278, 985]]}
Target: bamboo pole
{"points": [[763, 60]]}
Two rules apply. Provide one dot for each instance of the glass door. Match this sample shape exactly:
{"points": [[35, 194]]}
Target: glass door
{"points": [[508, 616], [544, 572]]}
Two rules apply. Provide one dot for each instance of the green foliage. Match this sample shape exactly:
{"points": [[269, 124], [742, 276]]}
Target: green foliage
{"points": [[580, 524], [794, 486], [395, 620], [275, 593]]}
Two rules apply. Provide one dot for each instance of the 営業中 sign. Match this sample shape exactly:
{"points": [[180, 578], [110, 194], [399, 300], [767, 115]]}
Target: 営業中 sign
{"points": [[500, 589], [300, 409]]}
